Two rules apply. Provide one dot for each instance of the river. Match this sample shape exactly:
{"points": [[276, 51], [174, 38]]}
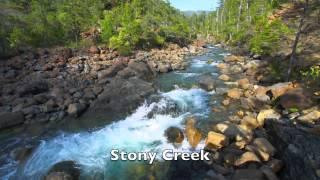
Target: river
{"points": [[178, 97]]}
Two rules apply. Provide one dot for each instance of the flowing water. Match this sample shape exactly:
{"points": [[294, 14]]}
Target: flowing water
{"points": [[142, 131]]}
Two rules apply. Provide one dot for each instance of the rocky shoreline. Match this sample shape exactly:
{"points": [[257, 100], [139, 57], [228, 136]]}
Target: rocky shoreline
{"points": [[51, 84], [274, 132]]}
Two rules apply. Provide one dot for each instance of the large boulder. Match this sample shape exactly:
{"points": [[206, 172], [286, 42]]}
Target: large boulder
{"points": [[233, 58], [216, 140], [66, 170], [224, 77], [311, 117], [174, 135], [247, 157], [126, 73], [252, 103], [260, 90], [262, 155], [243, 83], [267, 114], [76, 109], [295, 98], [298, 150], [279, 89], [141, 70], [235, 93], [119, 96], [228, 129], [164, 68], [8, 119], [264, 145], [33, 88], [207, 82], [222, 66], [193, 134], [111, 71], [59, 176], [250, 122], [235, 69]]}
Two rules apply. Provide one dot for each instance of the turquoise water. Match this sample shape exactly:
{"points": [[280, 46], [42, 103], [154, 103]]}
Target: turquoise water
{"points": [[142, 131]]}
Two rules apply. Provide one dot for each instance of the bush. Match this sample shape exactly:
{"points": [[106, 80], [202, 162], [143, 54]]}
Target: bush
{"points": [[267, 37]]}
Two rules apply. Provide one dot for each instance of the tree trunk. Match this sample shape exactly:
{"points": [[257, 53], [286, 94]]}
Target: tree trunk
{"points": [[217, 21], [248, 9], [239, 16], [222, 14], [295, 44]]}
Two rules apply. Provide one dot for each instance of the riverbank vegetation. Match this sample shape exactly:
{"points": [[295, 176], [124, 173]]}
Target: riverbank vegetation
{"points": [[123, 25], [286, 31], [243, 23], [263, 28]]}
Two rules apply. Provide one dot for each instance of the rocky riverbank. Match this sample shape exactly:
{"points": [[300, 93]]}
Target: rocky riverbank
{"points": [[51, 84], [273, 133]]}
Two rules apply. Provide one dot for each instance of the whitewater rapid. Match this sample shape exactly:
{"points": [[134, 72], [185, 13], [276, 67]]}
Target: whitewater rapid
{"points": [[142, 131], [136, 133]]}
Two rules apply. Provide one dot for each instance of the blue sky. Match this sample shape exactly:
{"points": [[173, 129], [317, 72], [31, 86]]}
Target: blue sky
{"points": [[194, 5]]}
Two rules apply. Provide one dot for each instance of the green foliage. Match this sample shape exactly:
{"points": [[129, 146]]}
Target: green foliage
{"points": [[312, 73], [267, 37], [125, 25], [42, 23], [293, 110], [143, 24], [243, 23]]}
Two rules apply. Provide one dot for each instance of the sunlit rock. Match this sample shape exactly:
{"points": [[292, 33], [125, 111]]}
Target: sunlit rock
{"points": [[235, 93], [216, 140], [267, 114], [264, 145], [193, 134], [247, 157]]}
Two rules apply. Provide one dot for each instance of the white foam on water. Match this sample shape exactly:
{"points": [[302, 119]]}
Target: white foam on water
{"points": [[136, 133], [225, 54], [194, 98], [214, 63], [198, 63], [211, 47], [187, 75], [202, 63]]}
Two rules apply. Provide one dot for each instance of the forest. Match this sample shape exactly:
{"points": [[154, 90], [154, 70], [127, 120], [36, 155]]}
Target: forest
{"points": [[123, 25], [131, 24]]}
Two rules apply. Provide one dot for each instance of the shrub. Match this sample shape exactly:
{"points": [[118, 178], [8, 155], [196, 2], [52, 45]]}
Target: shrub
{"points": [[267, 37]]}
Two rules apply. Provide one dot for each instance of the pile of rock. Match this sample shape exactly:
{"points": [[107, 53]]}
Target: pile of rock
{"points": [[49, 84], [247, 145], [237, 154]]}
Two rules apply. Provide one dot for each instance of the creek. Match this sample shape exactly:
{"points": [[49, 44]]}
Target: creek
{"points": [[177, 98]]}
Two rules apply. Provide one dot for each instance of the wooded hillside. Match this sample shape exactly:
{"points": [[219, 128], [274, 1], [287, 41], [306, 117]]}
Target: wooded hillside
{"points": [[124, 25]]}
